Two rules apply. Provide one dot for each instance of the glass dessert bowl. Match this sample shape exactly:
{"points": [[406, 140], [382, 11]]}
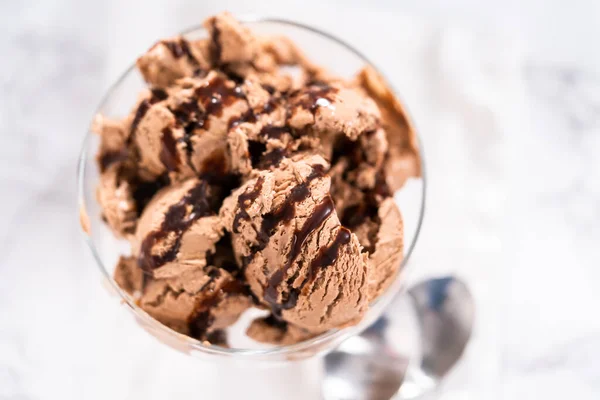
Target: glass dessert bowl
{"points": [[329, 52]]}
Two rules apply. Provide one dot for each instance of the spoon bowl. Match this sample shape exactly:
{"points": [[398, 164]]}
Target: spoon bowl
{"points": [[407, 352]]}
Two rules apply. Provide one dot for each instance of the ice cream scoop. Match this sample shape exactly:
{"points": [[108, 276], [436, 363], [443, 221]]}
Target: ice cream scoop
{"points": [[296, 255], [241, 185]]}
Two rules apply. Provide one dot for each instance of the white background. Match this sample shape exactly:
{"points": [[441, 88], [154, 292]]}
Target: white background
{"points": [[506, 97]]}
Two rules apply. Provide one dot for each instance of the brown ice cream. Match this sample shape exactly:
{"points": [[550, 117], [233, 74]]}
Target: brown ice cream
{"points": [[238, 186], [297, 257]]}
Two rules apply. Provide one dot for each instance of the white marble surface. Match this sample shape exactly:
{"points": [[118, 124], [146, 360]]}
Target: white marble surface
{"points": [[507, 98]]}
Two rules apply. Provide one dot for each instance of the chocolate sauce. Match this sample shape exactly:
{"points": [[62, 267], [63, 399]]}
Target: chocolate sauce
{"points": [[328, 254], [250, 116], [143, 107], [284, 214], [177, 220], [309, 99], [245, 200], [216, 49], [273, 102], [318, 217], [214, 297], [186, 115], [185, 49], [179, 48], [247, 116], [139, 114], [110, 157], [231, 74], [368, 208], [214, 95], [189, 149], [199, 323], [268, 88], [218, 87], [214, 167], [234, 286], [174, 47], [168, 153]]}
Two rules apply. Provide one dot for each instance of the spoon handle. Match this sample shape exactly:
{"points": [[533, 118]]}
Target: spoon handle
{"points": [[407, 352]]}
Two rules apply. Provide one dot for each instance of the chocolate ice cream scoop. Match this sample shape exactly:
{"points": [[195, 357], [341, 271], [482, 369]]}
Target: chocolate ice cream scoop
{"points": [[198, 301], [296, 256], [333, 108], [178, 228], [172, 59], [239, 184], [159, 142]]}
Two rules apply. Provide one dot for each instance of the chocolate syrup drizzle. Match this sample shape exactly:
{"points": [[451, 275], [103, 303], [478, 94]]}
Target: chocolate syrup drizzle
{"points": [[309, 98], [318, 217], [156, 96], [247, 116], [181, 47], [177, 220], [108, 158], [168, 153], [328, 255], [186, 115], [141, 111], [213, 96], [216, 48], [245, 200]]}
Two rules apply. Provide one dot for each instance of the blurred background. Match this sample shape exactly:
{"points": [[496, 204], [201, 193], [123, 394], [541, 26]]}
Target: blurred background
{"points": [[506, 97]]}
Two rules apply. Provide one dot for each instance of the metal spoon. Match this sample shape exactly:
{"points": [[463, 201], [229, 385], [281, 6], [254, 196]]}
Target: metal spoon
{"points": [[430, 327]]}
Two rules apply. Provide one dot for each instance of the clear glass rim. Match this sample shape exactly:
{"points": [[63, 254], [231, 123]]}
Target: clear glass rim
{"points": [[335, 334]]}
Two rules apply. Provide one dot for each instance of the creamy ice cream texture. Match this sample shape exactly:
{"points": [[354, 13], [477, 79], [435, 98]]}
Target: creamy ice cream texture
{"points": [[238, 186]]}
